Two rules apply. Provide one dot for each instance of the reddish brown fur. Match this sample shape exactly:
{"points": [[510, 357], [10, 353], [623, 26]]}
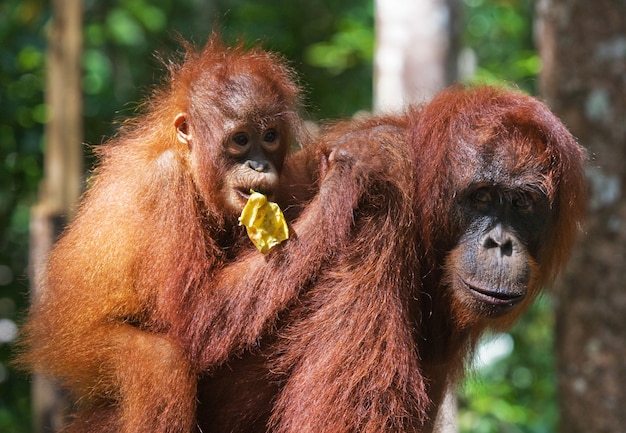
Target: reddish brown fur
{"points": [[346, 352], [149, 235]]}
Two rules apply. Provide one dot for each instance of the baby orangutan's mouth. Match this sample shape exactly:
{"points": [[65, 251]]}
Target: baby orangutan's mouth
{"points": [[244, 192]]}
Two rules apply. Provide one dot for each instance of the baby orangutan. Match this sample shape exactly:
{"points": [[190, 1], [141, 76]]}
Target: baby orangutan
{"points": [[159, 220]]}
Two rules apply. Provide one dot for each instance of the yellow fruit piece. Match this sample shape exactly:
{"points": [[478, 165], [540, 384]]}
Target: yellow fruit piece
{"points": [[264, 222]]}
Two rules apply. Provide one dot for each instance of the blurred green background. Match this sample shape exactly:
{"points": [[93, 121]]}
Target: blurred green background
{"points": [[331, 45]]}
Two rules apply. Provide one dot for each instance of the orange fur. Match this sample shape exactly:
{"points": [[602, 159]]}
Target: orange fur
{"points": [[150, 233]]}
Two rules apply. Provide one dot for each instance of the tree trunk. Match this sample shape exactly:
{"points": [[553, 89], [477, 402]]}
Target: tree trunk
{"points": [[416, 50], [63, 172], [583, 47]]}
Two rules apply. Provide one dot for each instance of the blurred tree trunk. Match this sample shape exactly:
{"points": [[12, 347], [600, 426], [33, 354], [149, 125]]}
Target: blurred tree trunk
{"points": [[63, 170], [416, 50], [583, 47], [417, 46]]}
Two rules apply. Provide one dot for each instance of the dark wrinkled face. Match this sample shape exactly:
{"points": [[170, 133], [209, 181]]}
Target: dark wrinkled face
{"points": [[491, 269], [502, 219]]}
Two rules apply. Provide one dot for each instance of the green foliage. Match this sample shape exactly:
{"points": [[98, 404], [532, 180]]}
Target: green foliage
{"points": [[499, 32], [353, 43], [329, 43]]}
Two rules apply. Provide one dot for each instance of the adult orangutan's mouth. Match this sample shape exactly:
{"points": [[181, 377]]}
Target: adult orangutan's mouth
{"points": [[497, 297]]}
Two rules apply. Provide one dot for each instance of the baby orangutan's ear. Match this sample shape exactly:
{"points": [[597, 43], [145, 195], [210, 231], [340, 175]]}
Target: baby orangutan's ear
{"points": [[182, 128]]}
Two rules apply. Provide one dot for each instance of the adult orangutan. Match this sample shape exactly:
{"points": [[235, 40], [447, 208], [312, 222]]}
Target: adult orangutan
{"points": [[462, 211], [501, 199], [158, 222]]}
